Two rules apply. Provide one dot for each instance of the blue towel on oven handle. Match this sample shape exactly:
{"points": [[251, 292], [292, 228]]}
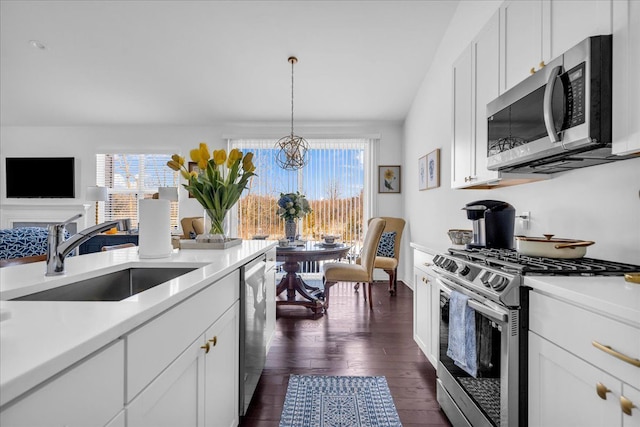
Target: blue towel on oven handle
{"points": [[462, 333]]}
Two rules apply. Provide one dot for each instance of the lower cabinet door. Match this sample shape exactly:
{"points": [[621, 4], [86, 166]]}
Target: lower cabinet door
{"points": [[564, 389], [221, 371], [421, 309], [175, 397], [70, 399]]}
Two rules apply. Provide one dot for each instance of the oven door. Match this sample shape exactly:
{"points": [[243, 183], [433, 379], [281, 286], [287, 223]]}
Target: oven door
{"points": [[492, 397]]}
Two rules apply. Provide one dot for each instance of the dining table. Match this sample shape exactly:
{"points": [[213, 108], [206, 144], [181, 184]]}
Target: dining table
{"points": [[298, 292]]}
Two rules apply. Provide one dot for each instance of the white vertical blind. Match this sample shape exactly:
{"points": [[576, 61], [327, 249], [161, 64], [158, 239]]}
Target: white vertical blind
{"points": [[129, 177], [334, 182]]}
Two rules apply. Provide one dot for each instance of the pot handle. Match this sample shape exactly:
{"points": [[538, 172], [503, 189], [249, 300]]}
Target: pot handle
{"points": [[573, 245]]}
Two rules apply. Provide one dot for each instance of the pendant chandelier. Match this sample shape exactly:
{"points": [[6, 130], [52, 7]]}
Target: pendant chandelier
{"points": [[291, 150]]}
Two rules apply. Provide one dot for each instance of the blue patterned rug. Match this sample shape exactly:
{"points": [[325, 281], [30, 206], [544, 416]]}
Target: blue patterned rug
{"points": [[332, 401]]}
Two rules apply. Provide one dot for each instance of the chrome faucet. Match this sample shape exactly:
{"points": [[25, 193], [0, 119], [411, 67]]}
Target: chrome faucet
{"points": [[58, 248]]}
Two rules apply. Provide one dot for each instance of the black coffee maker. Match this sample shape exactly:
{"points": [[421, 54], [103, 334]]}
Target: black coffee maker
{"points": [[493, 223]]}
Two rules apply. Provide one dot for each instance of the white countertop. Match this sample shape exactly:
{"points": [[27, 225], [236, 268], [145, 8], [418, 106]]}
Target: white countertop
{"points": [[40, 338]]}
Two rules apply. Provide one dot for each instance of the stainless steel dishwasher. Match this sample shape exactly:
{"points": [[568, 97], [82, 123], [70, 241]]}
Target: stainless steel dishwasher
{"points": [[252, 327]]}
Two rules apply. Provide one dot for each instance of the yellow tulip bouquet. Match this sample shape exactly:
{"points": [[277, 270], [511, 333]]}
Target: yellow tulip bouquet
{"points": [[219, 182]]}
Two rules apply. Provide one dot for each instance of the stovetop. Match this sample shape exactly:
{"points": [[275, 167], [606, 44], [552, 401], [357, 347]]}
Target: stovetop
{"points": [[511, 261]]}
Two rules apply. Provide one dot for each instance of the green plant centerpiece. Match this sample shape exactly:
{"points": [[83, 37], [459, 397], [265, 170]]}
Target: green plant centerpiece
{"points": [[291, 207], [218, 181]]}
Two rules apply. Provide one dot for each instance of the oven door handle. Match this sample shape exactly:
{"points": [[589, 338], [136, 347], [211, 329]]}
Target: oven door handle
{"points": [[490, 312]]}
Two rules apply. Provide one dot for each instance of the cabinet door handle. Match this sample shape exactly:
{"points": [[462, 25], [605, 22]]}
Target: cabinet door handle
{"points": [[626, 405], [206, 348], [602, 391], [214, 340], [425, 280], [532, 70], [632, 277], [607, 349]]}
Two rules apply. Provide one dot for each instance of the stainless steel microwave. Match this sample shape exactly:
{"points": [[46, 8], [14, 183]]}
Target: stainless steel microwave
{"points": [[557, 119]]}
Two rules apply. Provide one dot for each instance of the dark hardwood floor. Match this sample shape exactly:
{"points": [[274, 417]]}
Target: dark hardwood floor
{"points": [[350, 340]]}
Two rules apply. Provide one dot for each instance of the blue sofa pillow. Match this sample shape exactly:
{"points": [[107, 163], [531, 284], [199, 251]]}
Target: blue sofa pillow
{"points": [[386, 247]]}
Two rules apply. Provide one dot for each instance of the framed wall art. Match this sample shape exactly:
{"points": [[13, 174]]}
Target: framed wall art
{"points": [[388, 179], [422, 173], [433, 169]]}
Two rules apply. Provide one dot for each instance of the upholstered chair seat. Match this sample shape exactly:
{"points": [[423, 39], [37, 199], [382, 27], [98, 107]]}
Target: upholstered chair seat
{"points": [[363, 272], [191, 224]]}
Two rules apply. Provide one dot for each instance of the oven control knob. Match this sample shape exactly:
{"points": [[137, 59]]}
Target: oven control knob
{"points": [[437, 260], [450, 266], [464, 270], [484, 277], [498, 282]]}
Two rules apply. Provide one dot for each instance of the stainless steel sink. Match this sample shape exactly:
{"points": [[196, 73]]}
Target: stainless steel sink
{"points": [[114, 286]]}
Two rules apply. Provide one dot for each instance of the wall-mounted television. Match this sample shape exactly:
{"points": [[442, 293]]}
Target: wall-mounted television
{"points": [[40, 177]]}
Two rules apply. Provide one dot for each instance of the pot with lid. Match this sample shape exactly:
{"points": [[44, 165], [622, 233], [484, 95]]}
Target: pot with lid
{"points": [[492, 223], [549, 247]]}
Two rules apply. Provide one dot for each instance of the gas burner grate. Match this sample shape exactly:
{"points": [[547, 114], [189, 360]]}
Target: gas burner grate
{"points": [[512, 261]]}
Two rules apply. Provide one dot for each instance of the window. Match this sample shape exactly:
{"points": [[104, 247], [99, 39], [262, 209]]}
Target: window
{"points": [[333, 182], [130, 177]]}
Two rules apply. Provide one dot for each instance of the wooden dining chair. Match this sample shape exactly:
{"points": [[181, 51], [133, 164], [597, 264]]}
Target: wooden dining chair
{"points": [[341, 272]]}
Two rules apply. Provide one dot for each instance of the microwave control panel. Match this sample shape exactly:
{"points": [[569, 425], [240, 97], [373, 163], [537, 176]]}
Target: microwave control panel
{"points": [[574, 87]]}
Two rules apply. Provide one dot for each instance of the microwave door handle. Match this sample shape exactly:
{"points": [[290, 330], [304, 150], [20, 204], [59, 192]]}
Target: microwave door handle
{"points": [[547, 106]]}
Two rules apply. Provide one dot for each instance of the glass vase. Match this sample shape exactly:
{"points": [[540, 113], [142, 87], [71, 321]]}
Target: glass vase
{"points": [[290, 229], [220, 226]]}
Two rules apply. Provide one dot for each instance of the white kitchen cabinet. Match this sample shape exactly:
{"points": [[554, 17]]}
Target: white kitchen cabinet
{"points": [[426, 306], [462, 133], [571, 381], [70, 398], [183, 366], [562, 389], [523, 46], [221, 370], [626, 85], [630, 399], [535, 32], [174, 398], [200, 387], [475, 83]]}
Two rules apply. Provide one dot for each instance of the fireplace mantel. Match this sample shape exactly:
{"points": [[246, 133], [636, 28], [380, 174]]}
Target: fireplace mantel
{"points": [[44, 212]]}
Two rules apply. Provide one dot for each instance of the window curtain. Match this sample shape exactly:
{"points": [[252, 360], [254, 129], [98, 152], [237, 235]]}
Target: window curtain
{"points": [[337, 181], [129, 177]]}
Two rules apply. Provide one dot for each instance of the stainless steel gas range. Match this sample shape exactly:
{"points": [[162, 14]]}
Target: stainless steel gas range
{"points": [[494, 393]]}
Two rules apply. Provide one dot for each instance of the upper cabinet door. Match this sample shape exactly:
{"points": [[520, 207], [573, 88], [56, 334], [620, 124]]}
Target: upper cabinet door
{"points": [[522, 42], [626, 85], [462, 140], [486, 61], [572, 22]]}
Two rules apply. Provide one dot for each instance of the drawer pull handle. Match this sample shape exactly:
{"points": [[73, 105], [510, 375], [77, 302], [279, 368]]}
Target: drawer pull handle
{"points": [[206, 348], [632, 278], [602, 391], [626, 405], [427, 264], [612, 352], [214, 340]]}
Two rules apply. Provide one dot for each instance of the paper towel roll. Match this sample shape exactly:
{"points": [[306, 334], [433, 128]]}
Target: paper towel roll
{"points": [[154, 229]]}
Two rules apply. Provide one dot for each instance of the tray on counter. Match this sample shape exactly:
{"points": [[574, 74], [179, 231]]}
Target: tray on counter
{"points": [[192, 244]]}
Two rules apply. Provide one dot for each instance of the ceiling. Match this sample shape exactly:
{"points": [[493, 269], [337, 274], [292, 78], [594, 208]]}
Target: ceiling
{"points": [[205, 62]]}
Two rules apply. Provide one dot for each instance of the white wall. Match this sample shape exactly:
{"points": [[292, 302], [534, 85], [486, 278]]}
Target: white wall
{"points": [[599, 203], [84, 143]]}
